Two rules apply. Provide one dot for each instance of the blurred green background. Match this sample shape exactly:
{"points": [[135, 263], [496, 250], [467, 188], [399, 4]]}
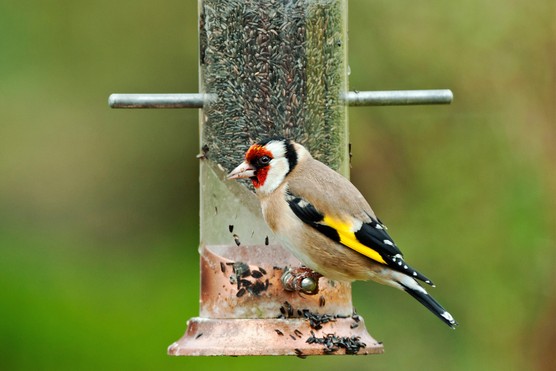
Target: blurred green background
{"points": [[99, 207]]}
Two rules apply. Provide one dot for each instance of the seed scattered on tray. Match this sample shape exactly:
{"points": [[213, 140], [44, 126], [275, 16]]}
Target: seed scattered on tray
{"points": [[333, 343], [299, 353]]}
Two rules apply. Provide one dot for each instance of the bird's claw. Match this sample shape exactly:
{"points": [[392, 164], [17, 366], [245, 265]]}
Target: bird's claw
{"points": [[301, 279]]}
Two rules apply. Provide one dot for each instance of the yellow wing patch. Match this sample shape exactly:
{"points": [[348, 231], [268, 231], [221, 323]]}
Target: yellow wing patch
{"points": [[347, 238]]}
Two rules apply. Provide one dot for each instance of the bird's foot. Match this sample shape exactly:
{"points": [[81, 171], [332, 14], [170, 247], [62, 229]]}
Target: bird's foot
{"points": [[301, 279]]}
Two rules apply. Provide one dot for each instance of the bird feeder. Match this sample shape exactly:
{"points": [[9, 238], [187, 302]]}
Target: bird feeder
{"points": [[268, 68]]}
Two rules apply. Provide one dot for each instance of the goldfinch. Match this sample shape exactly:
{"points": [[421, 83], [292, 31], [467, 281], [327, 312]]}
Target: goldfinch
{"points": [[325, 222]]}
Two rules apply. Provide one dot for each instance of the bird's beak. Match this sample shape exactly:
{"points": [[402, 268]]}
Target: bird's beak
{"points": [[244, 170]]}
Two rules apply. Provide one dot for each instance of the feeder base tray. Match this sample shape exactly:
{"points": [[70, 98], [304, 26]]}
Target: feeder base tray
{"points": [[291, 336]]}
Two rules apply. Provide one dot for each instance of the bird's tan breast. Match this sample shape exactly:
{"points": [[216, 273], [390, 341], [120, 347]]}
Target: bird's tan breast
{"points": [[275, 209]]}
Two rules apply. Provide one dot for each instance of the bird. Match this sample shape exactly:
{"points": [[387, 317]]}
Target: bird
{"points": [[325, 222]]}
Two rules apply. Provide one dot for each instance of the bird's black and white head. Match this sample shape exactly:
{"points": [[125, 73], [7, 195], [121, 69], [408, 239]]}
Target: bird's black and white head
{"points": [[267, 163]]}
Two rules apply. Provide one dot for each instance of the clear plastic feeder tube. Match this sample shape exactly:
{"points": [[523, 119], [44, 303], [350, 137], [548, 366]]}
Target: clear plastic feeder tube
{"points": [[273, 68]]}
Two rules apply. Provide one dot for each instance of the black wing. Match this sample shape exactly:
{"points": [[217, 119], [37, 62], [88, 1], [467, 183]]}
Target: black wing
{"points": [[370, 239]]}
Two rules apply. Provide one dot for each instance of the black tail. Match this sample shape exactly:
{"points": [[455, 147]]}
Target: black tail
{"points": [[432, 305]]}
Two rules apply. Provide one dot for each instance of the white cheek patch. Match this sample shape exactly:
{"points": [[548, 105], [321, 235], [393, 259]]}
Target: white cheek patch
{"points": [[279, 167]]}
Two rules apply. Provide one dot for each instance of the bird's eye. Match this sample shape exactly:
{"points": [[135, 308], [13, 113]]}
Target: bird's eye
{"points": [[264, 160]]}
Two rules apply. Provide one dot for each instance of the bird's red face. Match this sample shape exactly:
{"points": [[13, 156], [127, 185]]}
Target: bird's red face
{"points": [[256, 165], [267, 163], [259, 157]]}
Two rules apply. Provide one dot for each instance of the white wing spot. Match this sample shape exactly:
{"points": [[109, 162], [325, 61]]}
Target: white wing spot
{"points": [[388, 242], [414, 274], [378, 226], [448, 316], [405, 267]]}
